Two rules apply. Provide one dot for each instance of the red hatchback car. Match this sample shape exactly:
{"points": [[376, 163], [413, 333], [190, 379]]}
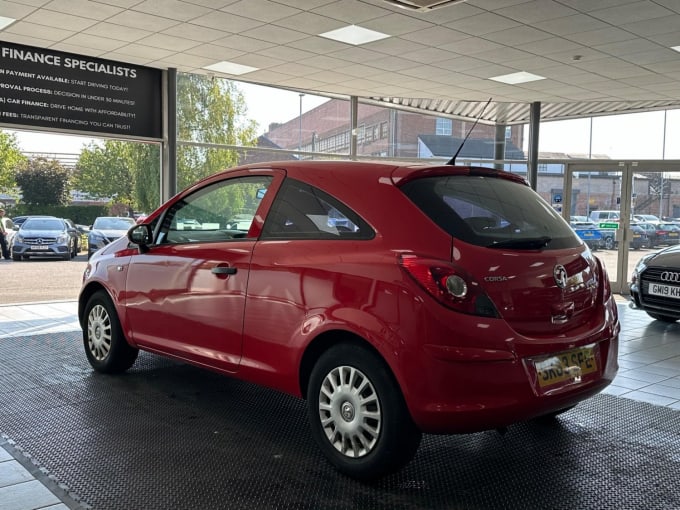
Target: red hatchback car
{"points": [[398, 300]]}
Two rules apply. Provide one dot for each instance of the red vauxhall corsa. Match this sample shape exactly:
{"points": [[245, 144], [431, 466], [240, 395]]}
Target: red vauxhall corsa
{"points": [[396, 299]]}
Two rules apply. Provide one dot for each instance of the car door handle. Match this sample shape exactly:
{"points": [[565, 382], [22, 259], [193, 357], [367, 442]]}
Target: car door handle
{"points": [[223, 270]]}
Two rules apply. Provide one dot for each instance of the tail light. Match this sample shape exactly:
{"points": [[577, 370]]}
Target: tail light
{"points": [[450, 285]]}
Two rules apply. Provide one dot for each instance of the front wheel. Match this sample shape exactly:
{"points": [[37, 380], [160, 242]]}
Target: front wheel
{"points": [[358, 415], [106, 348], [609, 243]]}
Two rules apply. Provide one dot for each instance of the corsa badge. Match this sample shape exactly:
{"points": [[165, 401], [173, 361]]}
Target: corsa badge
{"points": [[560, 274]]}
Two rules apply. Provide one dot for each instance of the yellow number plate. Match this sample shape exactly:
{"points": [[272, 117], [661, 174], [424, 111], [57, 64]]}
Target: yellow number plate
{"points": [[565, 366]]}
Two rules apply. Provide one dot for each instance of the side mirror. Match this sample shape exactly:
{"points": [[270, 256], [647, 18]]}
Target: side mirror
{"points": [[142, 236]]}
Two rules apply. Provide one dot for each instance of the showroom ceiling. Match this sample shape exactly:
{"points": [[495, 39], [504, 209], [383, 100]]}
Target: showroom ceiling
{"points": [[586, 57]]}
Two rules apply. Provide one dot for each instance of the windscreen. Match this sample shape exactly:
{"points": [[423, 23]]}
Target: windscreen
{"points": [[491, 212]]}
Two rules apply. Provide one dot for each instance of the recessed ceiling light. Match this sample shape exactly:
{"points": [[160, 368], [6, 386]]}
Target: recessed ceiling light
{"points": [[353, 34], [515, 78], [230, 68], [676, 48], [5, 22]]}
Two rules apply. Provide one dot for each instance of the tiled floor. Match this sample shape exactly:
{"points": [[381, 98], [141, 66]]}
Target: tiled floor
{"points": [[649, 358]]}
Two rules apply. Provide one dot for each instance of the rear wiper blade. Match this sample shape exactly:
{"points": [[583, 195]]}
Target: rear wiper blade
{"points": [[528, 243]]}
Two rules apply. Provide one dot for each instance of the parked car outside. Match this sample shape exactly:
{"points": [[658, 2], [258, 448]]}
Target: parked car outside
{"points": [[588, 231], [44, 236], [605, 216], [649, 218], [639, 237], [75, 232], [655, 237], [475, 308], [105, 230], [655, 284], [672, 233]]}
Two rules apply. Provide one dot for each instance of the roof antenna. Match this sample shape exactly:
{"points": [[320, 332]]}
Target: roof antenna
{"points": [[452, 161]]}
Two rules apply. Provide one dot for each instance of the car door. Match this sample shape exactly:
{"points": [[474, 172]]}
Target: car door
{"points": [[185, 295]]}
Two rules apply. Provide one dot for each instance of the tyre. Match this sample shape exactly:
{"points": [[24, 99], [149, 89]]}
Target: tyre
{"points": [[16, 258], [662, 317], [106, 348], [358, 415], [609, 243]]}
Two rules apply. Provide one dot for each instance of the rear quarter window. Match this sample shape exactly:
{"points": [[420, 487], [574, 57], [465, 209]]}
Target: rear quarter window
{"points": [[490, 211]]}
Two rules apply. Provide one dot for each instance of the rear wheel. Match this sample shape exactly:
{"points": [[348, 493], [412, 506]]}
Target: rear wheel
{"points": [[358, 415], [609, 243], [106, 348]]}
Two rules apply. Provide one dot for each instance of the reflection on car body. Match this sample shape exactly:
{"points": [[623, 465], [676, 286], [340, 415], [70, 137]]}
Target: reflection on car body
{"points": [[105, 230], [463, 313]]}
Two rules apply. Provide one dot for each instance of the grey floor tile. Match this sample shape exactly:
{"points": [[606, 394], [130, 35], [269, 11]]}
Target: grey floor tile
{"points": [[650, 398], [29, 495], [12, 473]]}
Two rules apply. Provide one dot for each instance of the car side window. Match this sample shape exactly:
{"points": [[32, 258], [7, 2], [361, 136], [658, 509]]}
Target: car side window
{"points": [[301, 211], [218, 212]]}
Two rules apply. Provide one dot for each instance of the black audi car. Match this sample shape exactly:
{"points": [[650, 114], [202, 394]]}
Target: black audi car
{"points": [[655, 284]]}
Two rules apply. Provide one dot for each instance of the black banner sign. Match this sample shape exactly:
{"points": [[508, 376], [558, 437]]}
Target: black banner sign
{"points": [[64, 91]]}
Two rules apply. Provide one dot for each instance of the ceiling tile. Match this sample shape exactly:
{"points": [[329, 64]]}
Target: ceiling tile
{"points": [[244, 44], [172, 9], [517, 35], [536, 10], [274, 34], [351, 11], [84, 8], [263, 10], [435, 36], [143, 51], [213, 51], [395, 24], [571, 25], [14, 10], [632, 12], [168, 42], [604, 36], [310, 23], [194, 32], [56, 19], [483, 24], [666, 25], [117, 32], [93, 41], [142, 21], [25, 28], [226, 22]]}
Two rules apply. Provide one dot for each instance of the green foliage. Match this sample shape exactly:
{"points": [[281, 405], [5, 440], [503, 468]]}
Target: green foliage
{"points": [[43, 182], [210, 111], [127, 172], [10, 158]]}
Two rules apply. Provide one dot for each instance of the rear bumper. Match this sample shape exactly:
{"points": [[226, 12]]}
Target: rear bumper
{"points": [[470, 390]]}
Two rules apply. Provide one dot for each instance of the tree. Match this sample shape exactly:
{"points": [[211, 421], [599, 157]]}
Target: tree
{"points": [[10, 158], [43, 182], [209, 110], [126, 172], [213, 111]]}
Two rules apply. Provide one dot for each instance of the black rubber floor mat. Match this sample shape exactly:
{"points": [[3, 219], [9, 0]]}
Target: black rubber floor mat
{"points": [[171, 436]]}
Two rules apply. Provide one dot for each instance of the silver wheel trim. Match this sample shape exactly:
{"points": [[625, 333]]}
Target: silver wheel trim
{"points": [[99, 332], [349, 410]]}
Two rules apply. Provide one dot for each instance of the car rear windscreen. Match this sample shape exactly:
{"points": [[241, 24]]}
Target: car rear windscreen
{"points": [[491, 211]]}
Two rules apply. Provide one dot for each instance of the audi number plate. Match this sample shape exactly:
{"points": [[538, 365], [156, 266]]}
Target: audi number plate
{"points": [[659, 289], [40, 247]]}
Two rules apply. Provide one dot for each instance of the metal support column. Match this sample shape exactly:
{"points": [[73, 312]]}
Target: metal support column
{"points": [[354, 122], [534, 122], [499, 146], [169, 145]]}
